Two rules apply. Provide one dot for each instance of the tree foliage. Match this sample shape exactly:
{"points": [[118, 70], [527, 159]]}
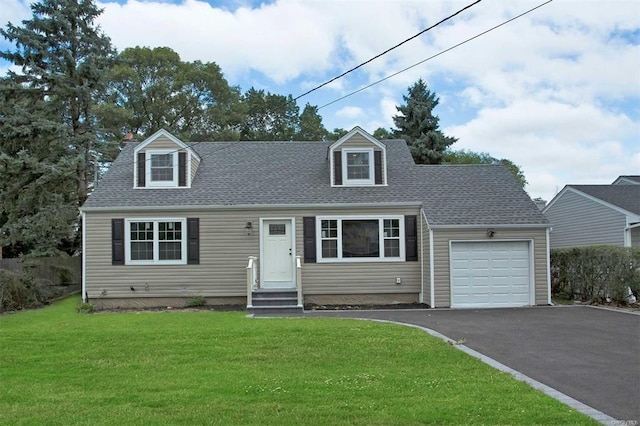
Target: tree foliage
{"points": [[153, 89], [269, 117], [419, 127], [311, 127], [49, 137], [470, 157]]}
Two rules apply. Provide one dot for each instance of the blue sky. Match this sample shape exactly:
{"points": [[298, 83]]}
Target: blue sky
{"points": [[556, 91]]}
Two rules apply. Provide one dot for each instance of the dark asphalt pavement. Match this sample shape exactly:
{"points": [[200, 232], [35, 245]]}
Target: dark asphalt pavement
{"points": [[589, 354]]}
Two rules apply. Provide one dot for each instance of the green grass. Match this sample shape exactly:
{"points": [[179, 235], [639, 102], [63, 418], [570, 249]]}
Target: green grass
{"points": [[61, 367]]}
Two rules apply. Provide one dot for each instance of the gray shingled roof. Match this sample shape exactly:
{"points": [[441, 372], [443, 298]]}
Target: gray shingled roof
{"points": [[297, 173], [624, 196], [634, 178]]}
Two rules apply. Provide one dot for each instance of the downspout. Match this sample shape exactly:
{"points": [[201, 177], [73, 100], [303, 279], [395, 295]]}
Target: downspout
{"points": [[85, 298], [421, 297], [548, 270], [432, 274]]}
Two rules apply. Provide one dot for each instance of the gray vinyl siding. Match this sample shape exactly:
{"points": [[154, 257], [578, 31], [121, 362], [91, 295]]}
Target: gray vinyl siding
{"points": [[579, 221], [224, 250], [442, 280]]}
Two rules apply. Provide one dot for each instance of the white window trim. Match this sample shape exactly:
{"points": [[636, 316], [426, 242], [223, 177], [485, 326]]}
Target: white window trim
{"points": [[165, 183], [156, 241], [357, 182], [340, 259]]}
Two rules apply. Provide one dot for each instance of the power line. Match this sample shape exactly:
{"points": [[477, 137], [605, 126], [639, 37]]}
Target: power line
{"points": [[437, 54], [388, 50]]}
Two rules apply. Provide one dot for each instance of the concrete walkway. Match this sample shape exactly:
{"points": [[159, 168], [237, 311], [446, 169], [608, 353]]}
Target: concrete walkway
{"points": [[590, 354]]}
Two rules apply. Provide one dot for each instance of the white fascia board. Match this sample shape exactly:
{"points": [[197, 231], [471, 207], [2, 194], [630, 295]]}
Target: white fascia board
{"points": [[164, 133], [357, 130], [493, 226], [249, 207]]}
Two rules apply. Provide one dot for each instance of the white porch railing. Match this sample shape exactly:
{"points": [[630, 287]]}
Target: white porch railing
{"points": [[299, 280], [252, 278]]}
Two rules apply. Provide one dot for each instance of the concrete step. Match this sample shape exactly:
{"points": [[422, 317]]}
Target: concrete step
{"points": [[275, 310], [275, 301], [274, 294]]}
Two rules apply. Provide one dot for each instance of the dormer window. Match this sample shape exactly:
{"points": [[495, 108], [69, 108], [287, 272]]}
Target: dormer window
{"points": [[357, 159], [161, 168], [357, 167], [164, 161]]}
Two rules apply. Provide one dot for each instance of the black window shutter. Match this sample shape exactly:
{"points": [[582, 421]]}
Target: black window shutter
{"points": [[411, 238], [377, 162], [117, 241], [142, 170], [337, 167], [182, 169], [193, 241], [309, 237]]}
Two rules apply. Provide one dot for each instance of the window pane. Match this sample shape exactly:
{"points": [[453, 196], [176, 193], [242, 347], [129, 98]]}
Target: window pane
{"points": [[161, 167], [329, 229], [391, 228], [330, 248], [392, 248], [360, 238], [142, 251], [358, 165], [170, 251]]}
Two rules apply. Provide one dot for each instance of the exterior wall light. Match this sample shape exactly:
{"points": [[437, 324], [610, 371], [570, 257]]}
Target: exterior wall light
{"points": [[248, 227]]}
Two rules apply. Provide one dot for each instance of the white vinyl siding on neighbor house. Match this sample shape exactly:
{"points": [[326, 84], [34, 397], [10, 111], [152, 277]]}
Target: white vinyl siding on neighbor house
{"points": [[360, 238], [155, 241], [579, 221]]}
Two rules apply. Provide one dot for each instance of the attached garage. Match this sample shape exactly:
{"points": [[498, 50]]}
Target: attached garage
{"points": [[491, 274]]}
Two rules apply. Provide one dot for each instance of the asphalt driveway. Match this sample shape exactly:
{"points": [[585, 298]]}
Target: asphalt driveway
{"points": [[589, 354]]}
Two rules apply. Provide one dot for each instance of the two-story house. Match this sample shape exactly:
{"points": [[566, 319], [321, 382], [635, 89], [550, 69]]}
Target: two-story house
{"points": [[291, 223]]}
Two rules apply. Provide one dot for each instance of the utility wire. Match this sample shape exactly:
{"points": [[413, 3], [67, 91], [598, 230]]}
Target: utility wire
{"points": [[388, 50], [437, 54]]}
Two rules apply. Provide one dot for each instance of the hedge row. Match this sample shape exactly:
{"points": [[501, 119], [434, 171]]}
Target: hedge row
{"points": [[595, 273]]}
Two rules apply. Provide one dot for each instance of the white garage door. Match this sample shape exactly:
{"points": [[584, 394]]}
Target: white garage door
{"points": [[490, 274]]}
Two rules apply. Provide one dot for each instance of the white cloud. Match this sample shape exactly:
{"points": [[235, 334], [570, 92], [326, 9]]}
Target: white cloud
{"points": [[555, 143], [350, 112]]}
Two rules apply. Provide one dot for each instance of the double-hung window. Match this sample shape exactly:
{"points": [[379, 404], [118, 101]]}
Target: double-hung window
{"points": [[162, 168], [156, 241], [357, 164], [360, 239]]}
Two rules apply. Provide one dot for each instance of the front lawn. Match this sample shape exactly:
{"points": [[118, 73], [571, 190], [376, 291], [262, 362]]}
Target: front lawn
{"points": [[61, 367]]}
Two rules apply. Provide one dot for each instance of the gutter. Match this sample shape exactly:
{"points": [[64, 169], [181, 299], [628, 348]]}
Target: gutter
{"points": [[249, 207]]}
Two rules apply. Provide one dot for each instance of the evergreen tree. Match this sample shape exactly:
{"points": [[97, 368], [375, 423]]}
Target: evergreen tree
{"points": [[49, 139], [419, 127]]}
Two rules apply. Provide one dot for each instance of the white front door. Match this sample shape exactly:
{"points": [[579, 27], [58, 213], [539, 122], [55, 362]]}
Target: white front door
{"points": [[277, 253]]}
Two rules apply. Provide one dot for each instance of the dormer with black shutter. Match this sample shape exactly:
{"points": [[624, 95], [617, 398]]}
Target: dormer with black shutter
{"points": [[358, 159], [164, 161]]}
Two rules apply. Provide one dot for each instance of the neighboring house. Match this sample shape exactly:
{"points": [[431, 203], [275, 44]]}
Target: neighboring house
{"points": [[583, 215], [352, 222]]}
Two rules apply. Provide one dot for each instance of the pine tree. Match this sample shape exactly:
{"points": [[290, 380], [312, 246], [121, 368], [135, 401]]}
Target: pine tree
{"points": [[49, 137], [419, 127], [311, 127]]}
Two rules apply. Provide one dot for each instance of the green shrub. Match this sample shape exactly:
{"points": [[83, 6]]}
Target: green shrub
{"points": [[84, 308], [196, 301], [594, 273]]}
